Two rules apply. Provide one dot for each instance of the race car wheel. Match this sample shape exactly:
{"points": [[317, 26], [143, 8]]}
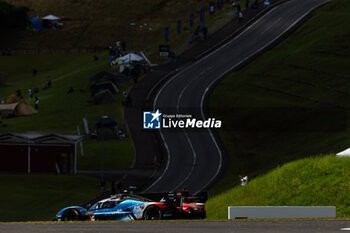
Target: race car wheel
{"points": [[70, 215], [202, 215], [152, 213]]}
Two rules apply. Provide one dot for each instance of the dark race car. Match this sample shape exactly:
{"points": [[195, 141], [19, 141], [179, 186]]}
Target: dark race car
{"points": [[122, 207]]}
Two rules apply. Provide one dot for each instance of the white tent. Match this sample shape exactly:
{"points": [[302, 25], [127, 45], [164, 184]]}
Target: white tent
{"points": [[50, 17], [130, 56], [345, 153]]}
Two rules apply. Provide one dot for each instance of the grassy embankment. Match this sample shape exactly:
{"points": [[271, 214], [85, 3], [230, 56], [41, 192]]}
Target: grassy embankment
{"points": [[60, 112], [316, 181], [309, 70], [44, 198]]}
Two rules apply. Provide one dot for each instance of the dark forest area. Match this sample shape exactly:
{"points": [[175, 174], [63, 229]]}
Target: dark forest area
{"points": [[12, 16]]}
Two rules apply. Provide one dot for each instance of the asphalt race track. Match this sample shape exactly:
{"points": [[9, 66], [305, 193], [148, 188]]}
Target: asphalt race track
{"points": [[194, 157], [315, 226]]}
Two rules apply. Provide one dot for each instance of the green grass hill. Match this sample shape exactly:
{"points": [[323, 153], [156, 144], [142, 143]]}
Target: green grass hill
{"points": [[40, 197], [60, 112], [315, 181], [293, 100]]}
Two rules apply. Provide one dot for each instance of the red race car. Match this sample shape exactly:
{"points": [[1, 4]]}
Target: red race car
{"points": [[180, 205]]}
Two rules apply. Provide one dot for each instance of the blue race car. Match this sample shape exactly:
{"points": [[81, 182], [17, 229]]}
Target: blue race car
{"points": [[119, 207], [123, 207]]}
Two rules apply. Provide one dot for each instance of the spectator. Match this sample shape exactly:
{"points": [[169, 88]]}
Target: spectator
{"points": [[246, 4], [111, 50], [112, 60], [30, 93], [240, 16], [244, 180], [36, 103], [18, 93], [238, 7], [125, 94], [266, 3], [35, 71], [205, 31], [127, 101], [71, 90], [48, 81], [233, 6], [121, 134], [117, 49]]}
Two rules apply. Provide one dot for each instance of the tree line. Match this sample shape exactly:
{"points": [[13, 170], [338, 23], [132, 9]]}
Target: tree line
{"points": [[12, 16]]}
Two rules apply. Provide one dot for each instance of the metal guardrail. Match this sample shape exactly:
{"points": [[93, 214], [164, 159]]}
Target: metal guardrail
{"points": [[255, 212]]}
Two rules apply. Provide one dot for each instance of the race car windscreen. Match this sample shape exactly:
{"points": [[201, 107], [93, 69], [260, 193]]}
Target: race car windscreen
{"points": [[104, 205]]}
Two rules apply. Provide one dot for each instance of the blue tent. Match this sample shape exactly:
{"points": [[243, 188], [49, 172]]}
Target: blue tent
{"points": [[106, 122], [36, 24]]}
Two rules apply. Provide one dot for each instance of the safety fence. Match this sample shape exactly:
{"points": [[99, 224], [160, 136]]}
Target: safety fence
{"points": [[36, 51]]}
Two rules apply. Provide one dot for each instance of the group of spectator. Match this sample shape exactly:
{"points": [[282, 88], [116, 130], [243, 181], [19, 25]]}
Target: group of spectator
{"points": [[30, 94], [117, 50], [35, 90], [236, 7]]}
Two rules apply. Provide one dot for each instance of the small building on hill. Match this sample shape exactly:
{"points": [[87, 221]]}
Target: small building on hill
{"points": [[38, 153]]}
